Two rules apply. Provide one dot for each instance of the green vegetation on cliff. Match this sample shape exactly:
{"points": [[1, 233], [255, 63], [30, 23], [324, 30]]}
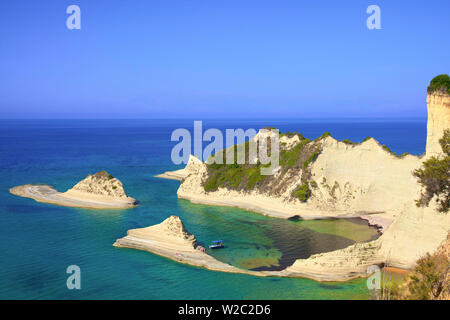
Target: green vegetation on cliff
{"points": [[303, 192], [429, 280], [234, 176], [441, 82], [434, 176], [248, 176], [103, 174], [289, 158]]}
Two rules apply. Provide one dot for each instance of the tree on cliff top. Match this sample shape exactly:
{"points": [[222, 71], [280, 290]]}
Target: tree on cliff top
{"points": [[434, 176], [441, 82]]}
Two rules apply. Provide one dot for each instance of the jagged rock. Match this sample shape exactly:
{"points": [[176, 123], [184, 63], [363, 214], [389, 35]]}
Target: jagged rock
{"points": [[101, 183], [174, 227]]}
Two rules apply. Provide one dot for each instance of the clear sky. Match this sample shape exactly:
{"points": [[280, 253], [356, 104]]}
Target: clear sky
{"points": [[220, 59]]}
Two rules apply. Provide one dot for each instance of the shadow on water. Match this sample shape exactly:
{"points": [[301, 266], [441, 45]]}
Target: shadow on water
{"points": [[297, 242], [261, 243], [330, 286]]}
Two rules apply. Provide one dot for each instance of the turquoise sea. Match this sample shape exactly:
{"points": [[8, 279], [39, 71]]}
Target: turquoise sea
{"points": [[39, 241]]}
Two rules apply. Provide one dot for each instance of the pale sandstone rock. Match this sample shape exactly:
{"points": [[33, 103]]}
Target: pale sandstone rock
{"points": [[438, 104], [102, 184], [98, 191], [191, 167], [170, 239]]}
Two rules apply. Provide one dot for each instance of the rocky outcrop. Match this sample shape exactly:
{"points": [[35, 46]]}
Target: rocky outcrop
{"points": [[362, 178], [415, 232], [173, 227], [170, 239], [346, 263], [102, 184], [193, 165], [97, 191], [171, 232], [438, 104]]}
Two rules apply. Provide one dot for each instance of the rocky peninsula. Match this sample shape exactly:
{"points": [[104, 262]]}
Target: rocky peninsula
{"points": [[327, 178], [170, 239], [96, 191]]}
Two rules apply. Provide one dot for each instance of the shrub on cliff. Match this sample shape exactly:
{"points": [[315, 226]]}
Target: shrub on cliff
{"points": [[441, 82], [434, 176], [311, 158], [247, 176], [288, 158], [211, 184], [303, 192], [103, 174], [427, 281], [348, 141]]}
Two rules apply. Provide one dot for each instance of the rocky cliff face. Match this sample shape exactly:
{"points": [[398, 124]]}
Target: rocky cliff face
{"points": [[344, 178], [171, 232], [438, 104], [174, 227], [101, 184], [415, 232], [362, 177]]}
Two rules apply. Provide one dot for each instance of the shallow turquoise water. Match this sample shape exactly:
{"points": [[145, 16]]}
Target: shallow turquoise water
{"points": [[38, 241]]}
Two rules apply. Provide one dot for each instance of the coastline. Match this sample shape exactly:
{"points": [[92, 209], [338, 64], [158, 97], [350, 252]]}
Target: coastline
{"points": [[341, 265], [160, 240], [270, 209], [71, 198], [191, 257]]}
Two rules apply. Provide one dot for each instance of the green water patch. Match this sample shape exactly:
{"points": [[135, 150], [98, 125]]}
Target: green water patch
{"points": [[256, 242], [355, 229]]}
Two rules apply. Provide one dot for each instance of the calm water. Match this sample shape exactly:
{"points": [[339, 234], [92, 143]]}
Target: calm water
{"points": [[38, 241]]}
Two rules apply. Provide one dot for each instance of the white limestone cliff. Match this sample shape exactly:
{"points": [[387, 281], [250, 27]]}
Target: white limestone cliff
{"points": [[438, 104]]}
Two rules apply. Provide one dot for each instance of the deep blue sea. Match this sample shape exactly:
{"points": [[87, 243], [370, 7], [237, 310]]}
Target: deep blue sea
{"points": [[39, 241]]}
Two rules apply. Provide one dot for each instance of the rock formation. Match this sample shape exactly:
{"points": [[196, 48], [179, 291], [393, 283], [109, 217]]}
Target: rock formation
{"points": [[192, 166], [170, 239], [97, 191], [101, 184], [438, 104], [170, 232]]}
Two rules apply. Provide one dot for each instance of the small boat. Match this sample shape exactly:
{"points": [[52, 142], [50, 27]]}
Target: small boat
{"points": [[217, 244]]}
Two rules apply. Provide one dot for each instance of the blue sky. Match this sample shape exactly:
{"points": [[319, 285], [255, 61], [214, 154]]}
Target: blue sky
{"points": [[220, 59]]}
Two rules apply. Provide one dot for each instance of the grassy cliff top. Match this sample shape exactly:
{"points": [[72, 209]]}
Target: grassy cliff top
{"points": [[441, 82], [103, 174]]}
